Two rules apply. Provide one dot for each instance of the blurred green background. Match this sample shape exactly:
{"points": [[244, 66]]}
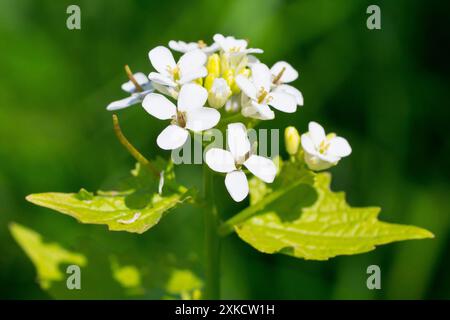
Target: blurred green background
{"points": [[386, 90]]}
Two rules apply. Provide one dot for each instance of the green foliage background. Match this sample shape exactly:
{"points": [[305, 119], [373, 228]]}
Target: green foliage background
{"points": [[387, 91]]}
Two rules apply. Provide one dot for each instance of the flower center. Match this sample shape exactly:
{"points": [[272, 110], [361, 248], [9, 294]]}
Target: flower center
{"points": [[175, 72], [179, 119], [325, 144], [262, 95]]}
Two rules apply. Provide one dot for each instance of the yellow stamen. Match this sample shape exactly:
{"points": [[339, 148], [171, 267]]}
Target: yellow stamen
{"points": [[132, 79], [175, 72], [262, 95]]}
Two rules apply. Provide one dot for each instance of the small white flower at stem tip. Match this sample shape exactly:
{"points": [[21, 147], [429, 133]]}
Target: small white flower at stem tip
{"points": [[259, 94], [323, 151], [189, 114], [282, 73], [231, 161], [170, 76]]}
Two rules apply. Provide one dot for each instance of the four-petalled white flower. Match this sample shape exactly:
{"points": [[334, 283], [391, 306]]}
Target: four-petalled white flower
{"points": [[189, 114], [231, 162], [258, 94], [282, 73], [323, 151], [172, 75], [136, 95], [184, 47]]}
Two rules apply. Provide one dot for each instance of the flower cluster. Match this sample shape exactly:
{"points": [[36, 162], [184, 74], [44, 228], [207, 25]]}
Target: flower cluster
{"points": [[208, 83]]}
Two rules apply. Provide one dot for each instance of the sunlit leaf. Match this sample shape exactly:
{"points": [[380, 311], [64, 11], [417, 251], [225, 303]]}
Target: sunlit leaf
{"points": [[109, 210], [46, 257], [328, 228]]}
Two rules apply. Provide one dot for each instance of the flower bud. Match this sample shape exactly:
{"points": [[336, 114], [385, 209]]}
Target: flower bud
{"points": [[292, 140], [219, 93]]}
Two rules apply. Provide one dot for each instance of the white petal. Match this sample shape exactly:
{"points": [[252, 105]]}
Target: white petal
{"points": [[253, 50], [339, 147], [182, 46], [258, 111], [172, 137], [159, 106], [237, 185], [161, 79], [262, 167], [283, 102], [123, 103], [212, 48], [198, 73], [168, 91], [237, 141], [315, 162], [199, 119], [261, 76], [317, 133], [161, 59], [141, 79], [289, 74], [220, 160], [308, 144], [191, 96], [252, 60], [246, 86], [292, 91], [191, 61]]}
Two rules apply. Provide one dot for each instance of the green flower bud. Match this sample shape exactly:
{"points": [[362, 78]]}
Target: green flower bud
{"points": [[292, 140]]}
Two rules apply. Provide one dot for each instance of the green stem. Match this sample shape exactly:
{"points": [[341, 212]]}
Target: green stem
{"points": [[212, 239], [140, 158]]}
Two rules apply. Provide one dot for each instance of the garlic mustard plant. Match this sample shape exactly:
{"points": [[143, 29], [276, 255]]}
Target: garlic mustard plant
{"points": [[218, 92]]}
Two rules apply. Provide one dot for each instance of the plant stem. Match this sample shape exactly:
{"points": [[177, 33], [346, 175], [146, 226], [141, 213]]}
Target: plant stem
{"points": [[212, 239], [140, 158]]}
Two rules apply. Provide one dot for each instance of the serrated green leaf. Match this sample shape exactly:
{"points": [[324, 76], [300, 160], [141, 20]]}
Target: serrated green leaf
{"points": [[109, 210], [328, 228], [46, 257]]}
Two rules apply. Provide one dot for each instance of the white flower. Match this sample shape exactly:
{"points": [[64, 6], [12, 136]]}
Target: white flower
{"points": [[283, 72], [231, 162], [189, 113], [323, 151], [233, 45], [258, 94], [219, 93], [184, 47], [136, 95], [171, 75]]}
